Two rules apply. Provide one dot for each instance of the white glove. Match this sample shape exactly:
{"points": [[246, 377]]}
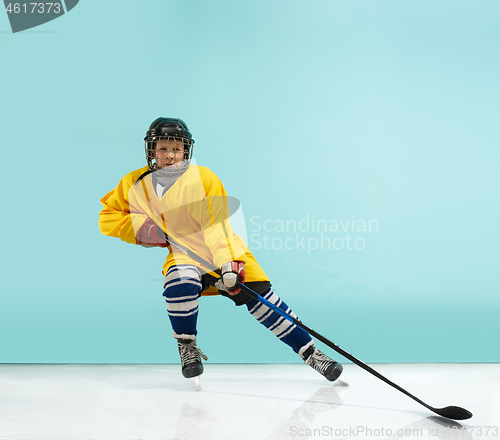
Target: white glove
{"points": [[232, 273]]}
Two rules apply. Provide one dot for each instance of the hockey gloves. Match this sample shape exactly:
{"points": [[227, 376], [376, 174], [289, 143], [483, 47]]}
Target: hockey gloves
{"points": [[231, 273], [151, 235]]}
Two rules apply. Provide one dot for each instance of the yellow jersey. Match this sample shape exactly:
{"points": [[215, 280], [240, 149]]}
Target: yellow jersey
{"points": [[194, 211]]}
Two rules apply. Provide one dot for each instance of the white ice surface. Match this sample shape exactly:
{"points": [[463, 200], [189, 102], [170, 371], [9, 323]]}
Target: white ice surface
{"points": [[133, 402]]}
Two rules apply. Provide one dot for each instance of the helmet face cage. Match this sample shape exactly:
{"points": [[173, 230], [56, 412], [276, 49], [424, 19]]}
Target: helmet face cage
{"points": [[157, 151]]}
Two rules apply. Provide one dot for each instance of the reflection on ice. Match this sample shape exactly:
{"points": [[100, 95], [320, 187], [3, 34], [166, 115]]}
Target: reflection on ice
{"points": [[301, 422], [240, 402]]}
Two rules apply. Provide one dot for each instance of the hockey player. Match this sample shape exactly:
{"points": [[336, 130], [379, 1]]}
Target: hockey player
{"points": [[173, 197]]}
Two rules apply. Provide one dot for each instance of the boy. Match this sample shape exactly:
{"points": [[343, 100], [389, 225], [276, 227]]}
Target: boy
{"points": [[171, 197]]}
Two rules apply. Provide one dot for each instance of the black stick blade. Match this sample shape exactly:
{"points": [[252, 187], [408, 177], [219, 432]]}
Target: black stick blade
{"points": [[450, 412], [453, 412]]}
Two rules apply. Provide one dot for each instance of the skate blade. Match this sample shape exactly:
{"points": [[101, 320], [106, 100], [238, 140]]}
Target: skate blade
{"points": [[341, 381], [196, 381]]}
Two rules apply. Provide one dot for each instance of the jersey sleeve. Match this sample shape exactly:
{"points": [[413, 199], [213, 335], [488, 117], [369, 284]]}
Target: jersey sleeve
{"points": [[116, 218], [218, 234]]}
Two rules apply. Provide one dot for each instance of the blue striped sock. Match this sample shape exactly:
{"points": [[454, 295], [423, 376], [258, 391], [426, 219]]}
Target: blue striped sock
{"points": [[181, 290], [284, 329]]}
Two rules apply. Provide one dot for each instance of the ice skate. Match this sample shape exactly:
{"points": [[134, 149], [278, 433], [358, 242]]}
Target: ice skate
{"points": [[342, 380], [196, 381], [321, 362], [191, 356]]}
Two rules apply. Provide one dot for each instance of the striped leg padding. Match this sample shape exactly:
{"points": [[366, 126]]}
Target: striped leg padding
{"points": [[284, 329], [181, 291]]}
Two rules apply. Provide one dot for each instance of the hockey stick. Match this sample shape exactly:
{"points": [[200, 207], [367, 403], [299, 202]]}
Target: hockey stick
{"points": [[450, 412]]}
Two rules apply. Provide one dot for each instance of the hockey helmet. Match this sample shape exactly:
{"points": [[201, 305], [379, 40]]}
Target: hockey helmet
{"points": [[168, 129]]}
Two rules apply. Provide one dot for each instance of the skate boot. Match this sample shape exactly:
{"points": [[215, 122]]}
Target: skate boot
{"points": [[190, 355], [321, 362]]}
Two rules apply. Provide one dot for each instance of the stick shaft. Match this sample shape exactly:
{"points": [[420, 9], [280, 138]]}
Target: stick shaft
{"points": [[298, 323]]}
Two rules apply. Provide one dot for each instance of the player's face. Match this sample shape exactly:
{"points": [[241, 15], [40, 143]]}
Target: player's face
{"points": [[169, 153]]}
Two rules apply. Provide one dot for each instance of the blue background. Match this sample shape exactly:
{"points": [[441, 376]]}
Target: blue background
{"points": [[381, 110]]}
